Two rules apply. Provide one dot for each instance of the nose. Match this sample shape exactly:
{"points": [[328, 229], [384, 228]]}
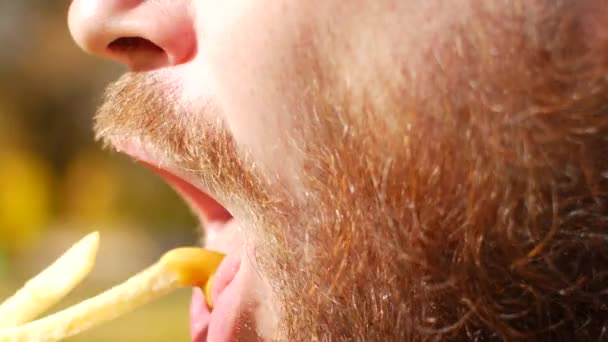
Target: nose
{"points": [[142, 34]]}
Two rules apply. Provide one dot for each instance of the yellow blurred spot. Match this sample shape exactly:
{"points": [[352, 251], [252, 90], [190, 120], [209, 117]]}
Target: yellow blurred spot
{"points": [[25, 191], [90, 189]]}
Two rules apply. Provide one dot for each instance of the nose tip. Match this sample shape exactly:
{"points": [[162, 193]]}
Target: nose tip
{"points": [[142, 34]]}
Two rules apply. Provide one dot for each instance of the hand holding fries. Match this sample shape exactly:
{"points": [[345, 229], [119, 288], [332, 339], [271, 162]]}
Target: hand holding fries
{"points": [[182, 267]]}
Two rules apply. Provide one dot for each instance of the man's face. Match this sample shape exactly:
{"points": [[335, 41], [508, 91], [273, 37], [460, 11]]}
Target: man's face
{"points": [[385, 169]]}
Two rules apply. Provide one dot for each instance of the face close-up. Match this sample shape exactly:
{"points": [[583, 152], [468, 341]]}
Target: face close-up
{"points": [[374, 170]]}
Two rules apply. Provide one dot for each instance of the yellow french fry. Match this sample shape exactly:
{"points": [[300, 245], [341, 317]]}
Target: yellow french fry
{"points": [[51, 285], [182, 267]]}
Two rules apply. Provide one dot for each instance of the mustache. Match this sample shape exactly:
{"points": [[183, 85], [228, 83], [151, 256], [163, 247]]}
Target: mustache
{"points": [[144, 108]]}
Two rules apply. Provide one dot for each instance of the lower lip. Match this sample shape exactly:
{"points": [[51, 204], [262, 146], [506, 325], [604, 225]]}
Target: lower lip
{"points": [[219, 324]]}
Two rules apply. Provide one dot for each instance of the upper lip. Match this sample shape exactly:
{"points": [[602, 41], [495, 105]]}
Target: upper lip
{"points": [[206, 206]]}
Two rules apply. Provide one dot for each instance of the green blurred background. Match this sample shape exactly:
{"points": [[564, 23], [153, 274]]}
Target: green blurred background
{"points": [[56, 184]]}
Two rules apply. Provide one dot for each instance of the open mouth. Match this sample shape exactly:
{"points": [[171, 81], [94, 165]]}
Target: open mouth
{"points": [[210, 212], [206, 324]]}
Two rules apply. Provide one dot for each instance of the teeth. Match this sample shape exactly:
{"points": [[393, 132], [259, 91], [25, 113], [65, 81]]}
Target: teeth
{"points": [[180, 267]]}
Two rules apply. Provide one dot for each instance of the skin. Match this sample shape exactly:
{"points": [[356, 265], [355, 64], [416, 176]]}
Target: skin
{"points": [[397, 170]]}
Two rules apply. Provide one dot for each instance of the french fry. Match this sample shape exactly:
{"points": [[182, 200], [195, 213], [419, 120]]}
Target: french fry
{"points": [[51, 285], [183, 267]]}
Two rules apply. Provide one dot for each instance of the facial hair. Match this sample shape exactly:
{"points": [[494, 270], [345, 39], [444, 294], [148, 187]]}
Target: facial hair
{"points": [[418, 219]]}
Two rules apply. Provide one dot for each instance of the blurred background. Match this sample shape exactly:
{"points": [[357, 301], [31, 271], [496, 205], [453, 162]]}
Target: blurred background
{"points": [[57, 184]]}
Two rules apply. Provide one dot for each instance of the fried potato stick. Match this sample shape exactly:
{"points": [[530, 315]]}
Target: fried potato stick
{"points": [[51, 285], [182, 267]]}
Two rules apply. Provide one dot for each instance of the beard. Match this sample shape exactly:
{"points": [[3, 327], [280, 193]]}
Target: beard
{"points": [[415, 219]]}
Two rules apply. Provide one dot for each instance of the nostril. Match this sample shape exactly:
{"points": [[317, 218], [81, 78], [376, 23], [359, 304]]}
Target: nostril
{"points": [[140, 53], [129, 44]]}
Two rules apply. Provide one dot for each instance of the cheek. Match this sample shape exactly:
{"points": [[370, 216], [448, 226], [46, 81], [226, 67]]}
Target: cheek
{"points": [[249, 49]]}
